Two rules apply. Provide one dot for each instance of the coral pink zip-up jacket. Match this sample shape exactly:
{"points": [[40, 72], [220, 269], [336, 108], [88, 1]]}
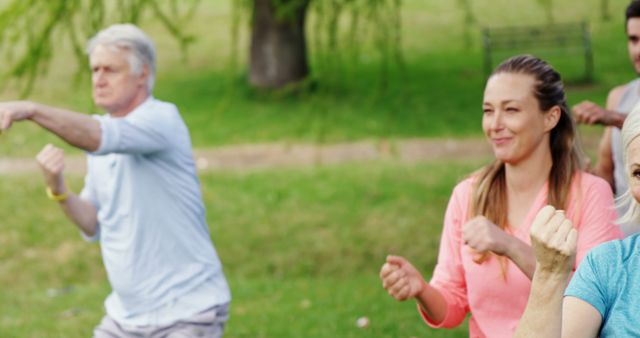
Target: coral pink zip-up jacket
{"points": [[495, 299]]}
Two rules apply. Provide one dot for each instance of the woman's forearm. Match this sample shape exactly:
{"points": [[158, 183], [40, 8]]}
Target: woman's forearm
{"points": [[433, 303], [522, 255]]}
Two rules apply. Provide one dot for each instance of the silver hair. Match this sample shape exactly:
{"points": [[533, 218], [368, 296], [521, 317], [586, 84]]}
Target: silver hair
{"points": [[132, 39], [630, 131]]}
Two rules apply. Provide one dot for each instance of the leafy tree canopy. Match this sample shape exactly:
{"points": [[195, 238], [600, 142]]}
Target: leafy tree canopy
{"points": [[30, 29]]}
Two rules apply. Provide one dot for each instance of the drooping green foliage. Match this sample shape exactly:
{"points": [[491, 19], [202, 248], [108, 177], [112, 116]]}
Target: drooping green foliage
{"points": [[468, 21], [374, 22], [547, 5], [30, 30], [605, 14]]}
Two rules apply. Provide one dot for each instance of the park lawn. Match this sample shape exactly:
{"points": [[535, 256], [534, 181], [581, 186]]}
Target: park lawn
{"points": [[301, 249], [435, 92]]}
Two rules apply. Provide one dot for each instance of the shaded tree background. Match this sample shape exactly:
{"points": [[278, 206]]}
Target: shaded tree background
{"points": [[282, 32], [279, 52], [30, 30]]}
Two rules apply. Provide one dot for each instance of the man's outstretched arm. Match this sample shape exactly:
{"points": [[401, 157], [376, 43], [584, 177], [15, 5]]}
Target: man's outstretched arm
{"points": [[77, 129]]}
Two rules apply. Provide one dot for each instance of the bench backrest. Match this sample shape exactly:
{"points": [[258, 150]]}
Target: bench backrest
{"points": [[566, 37]]}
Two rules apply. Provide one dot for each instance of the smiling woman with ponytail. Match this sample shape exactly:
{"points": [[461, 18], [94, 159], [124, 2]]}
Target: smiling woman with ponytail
{"points": [[486, 262]]}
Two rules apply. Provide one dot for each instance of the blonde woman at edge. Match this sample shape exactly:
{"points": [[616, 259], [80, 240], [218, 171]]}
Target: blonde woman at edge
{"points": [[602, 299], [486, 261]]}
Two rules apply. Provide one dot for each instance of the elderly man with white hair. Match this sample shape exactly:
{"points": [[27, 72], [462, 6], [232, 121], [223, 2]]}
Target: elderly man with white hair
{"points": [[141, 197]]}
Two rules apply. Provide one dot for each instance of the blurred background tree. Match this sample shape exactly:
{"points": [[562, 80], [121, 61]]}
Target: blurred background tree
{"points": [[29, 31], [547, 5], [605, 14], [278, 51], [375, 69]]}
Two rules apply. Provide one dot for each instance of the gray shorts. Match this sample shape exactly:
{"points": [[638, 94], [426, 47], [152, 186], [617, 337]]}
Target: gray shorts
{"points": [[209, 324]]}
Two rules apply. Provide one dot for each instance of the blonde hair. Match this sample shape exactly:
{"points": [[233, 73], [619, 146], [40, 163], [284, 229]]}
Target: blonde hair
{"points": [[630, 131]]}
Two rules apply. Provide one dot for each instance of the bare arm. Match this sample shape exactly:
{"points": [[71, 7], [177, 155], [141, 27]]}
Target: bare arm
{"points": [[543, 315], [521, 254], [604, 164], [81, 212], [588, 112], [483, 236], [579, 319], [77, 129], [403, 281], [548, 314], [554, 241]]}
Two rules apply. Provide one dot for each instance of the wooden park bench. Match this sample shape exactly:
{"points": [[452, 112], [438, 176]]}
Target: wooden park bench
{"points": [[568, 38]]}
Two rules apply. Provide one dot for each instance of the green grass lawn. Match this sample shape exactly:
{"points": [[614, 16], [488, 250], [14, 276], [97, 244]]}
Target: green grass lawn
{"points": [[301, 248]]}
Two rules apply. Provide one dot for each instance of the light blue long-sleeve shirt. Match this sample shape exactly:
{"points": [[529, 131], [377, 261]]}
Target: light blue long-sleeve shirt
{"points": [[155, 242]]}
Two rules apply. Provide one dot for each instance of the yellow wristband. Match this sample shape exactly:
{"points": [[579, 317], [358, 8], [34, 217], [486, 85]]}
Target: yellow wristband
{"points": [[58, 198]]}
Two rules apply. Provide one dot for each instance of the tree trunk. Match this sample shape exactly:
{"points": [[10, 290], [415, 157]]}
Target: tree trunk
{"points": [[278, 45]]}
